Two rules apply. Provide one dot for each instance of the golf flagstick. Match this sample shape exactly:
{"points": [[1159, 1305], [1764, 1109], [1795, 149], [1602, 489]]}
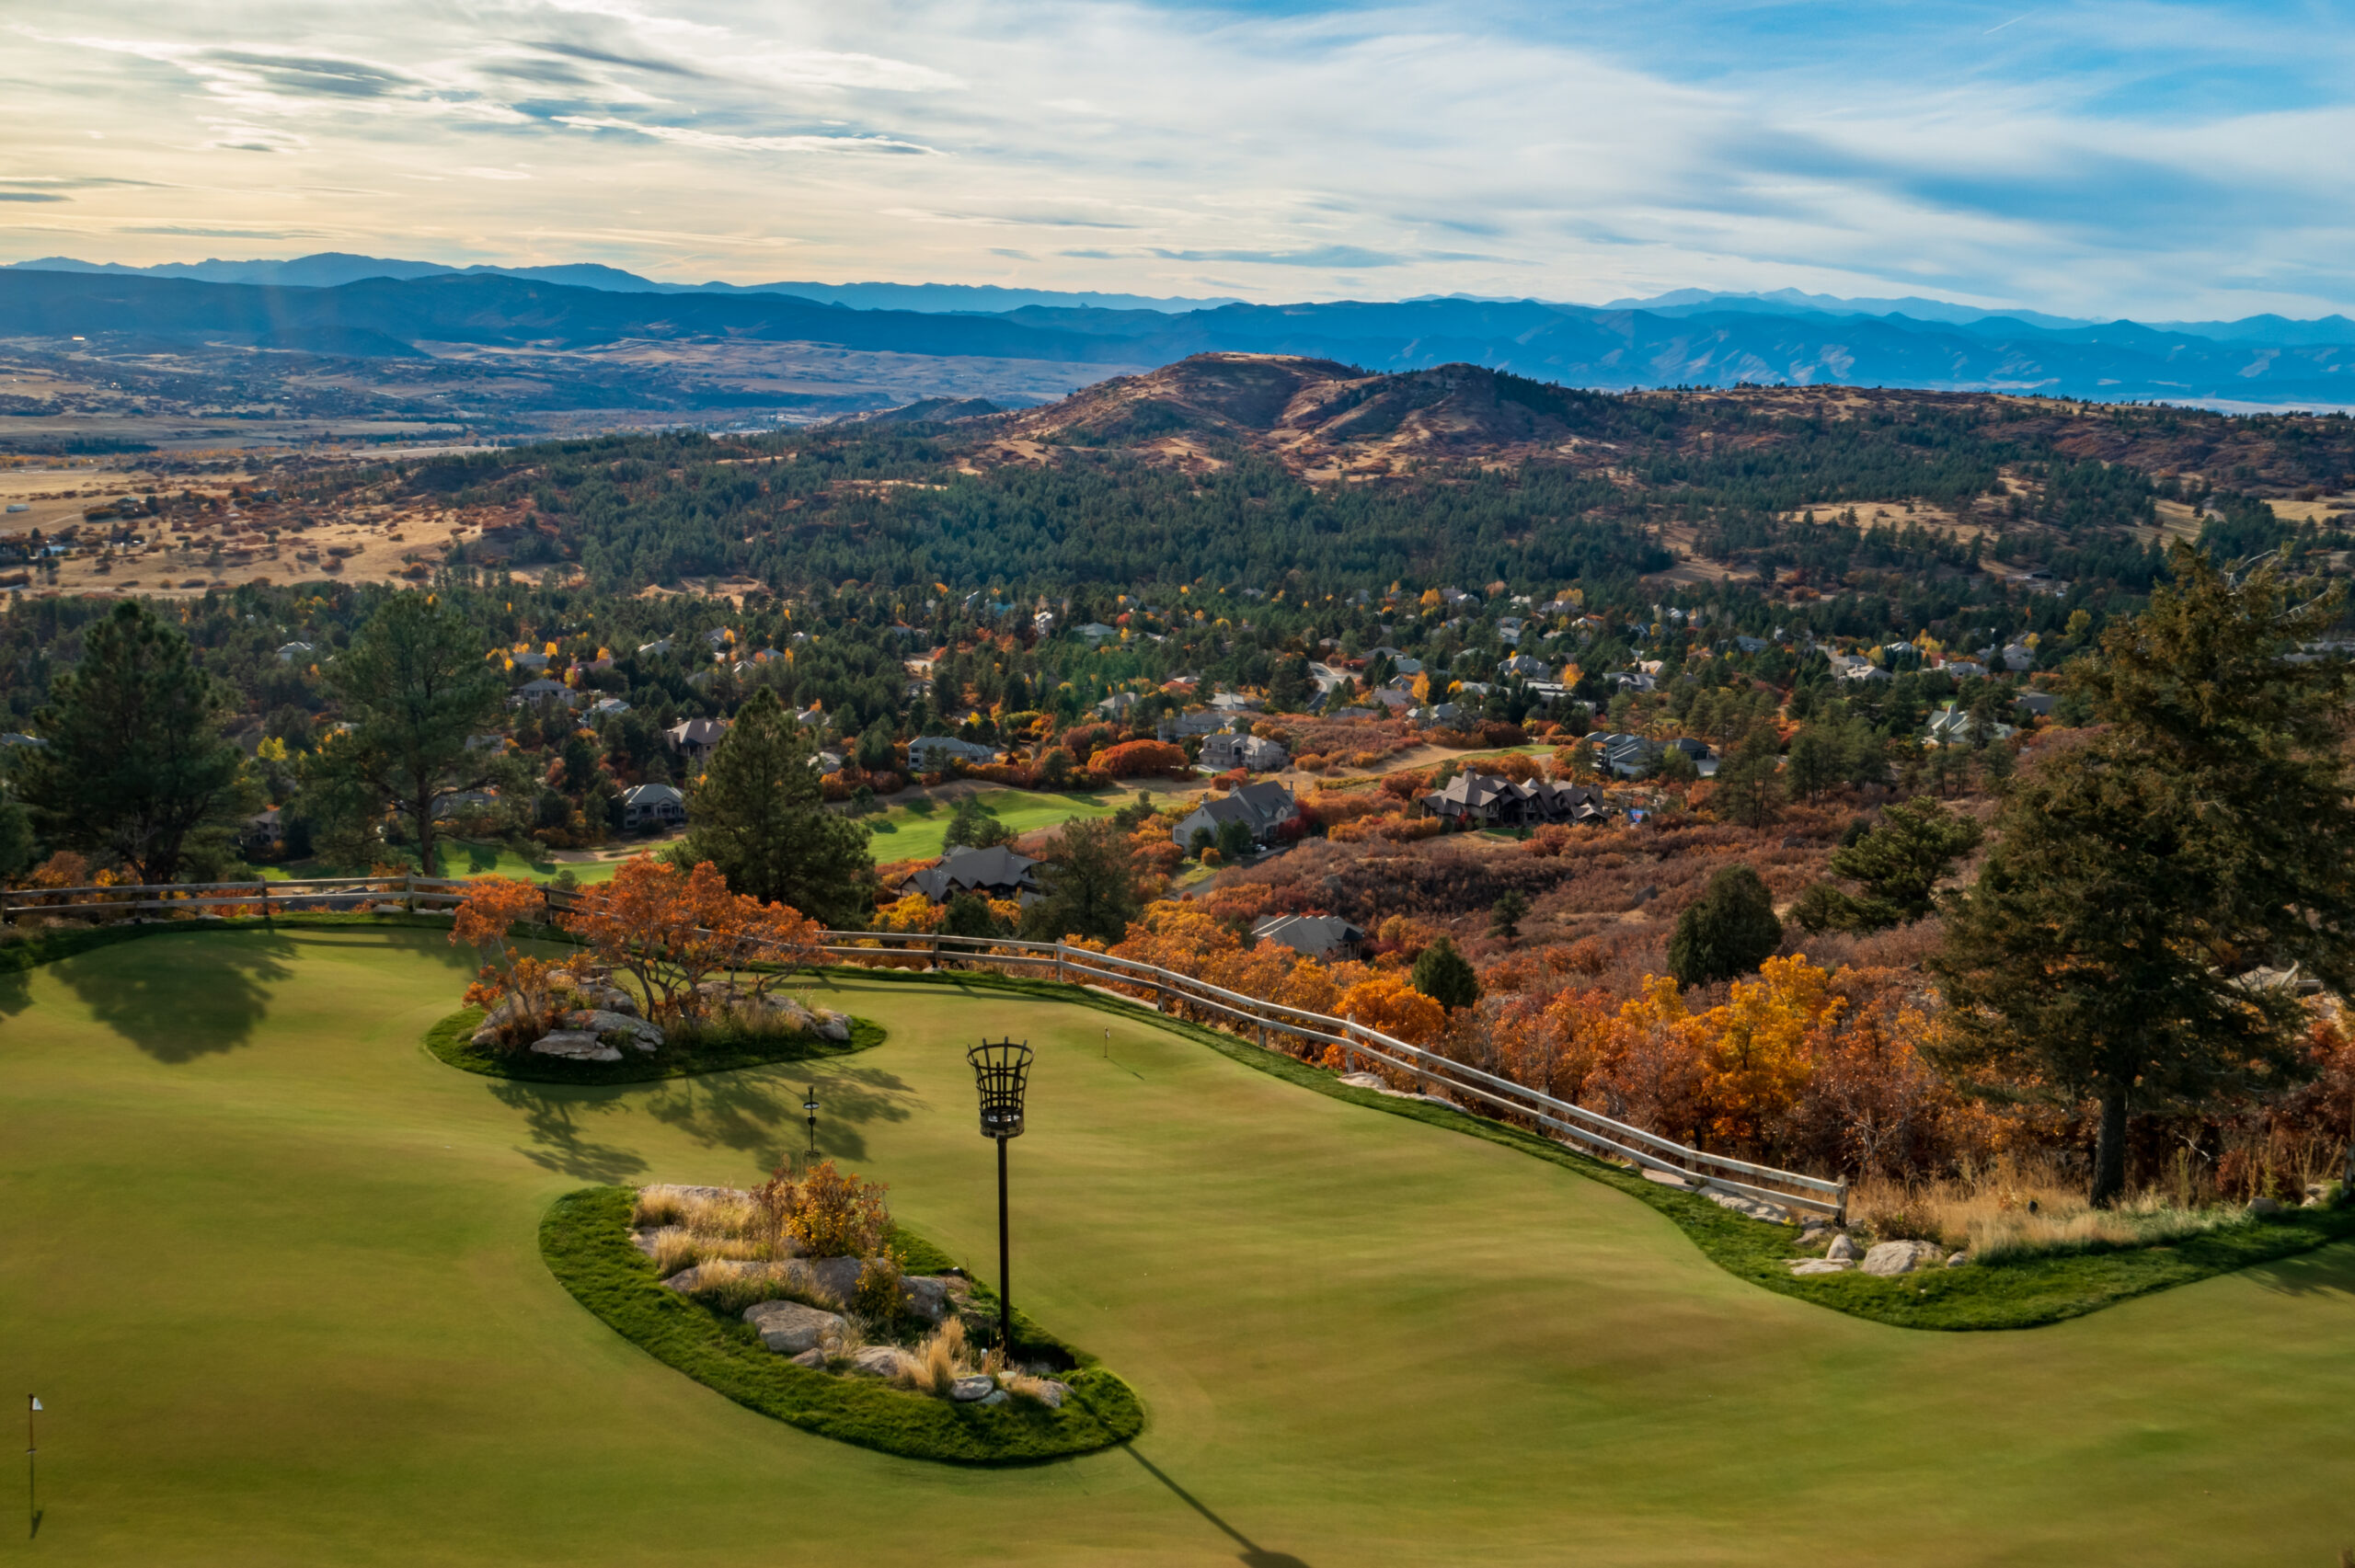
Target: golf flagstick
{"points": [[32, 1491]]}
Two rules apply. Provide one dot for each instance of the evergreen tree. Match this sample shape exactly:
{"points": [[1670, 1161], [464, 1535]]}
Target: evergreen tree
{"points": [[1899, 860], [136, 765], [1445, 975], [1091, 886], [968, 914], [1750, 790], [1506, 914], [973, 825], [759, 816], [2138, 877], [415, 687], [15, 839], [1730, 932]]}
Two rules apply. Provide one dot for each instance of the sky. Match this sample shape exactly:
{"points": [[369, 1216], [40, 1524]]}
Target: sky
{"points": [[2161, 161]]}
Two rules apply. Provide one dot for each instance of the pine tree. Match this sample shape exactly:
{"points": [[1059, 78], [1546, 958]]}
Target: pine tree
{"points": [[1899, 860], [2206, 832], [136, 764], [759, 816], [1730, 932], [1445, 975], [416, 688], [1748, 789], [1091, 886]]}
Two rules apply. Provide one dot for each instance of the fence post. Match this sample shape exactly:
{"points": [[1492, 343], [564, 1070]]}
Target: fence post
{"points": [[1840, 1218], [1059, 963], [264, 901]]}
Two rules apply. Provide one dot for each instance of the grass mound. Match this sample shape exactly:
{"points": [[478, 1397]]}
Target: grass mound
{"points": [[585, 1241], [451, 1040], [2002, 1293]]}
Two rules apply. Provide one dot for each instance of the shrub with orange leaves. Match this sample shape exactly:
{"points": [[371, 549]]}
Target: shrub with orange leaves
{"points": [[493, 907], [1132, 759], [1389, 1002]]}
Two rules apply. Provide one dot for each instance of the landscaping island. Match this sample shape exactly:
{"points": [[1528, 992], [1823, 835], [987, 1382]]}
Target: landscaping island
{"points": [[789, 1339]]}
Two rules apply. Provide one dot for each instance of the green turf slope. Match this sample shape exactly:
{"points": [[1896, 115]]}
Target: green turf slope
{"points": [[275, 1272]]}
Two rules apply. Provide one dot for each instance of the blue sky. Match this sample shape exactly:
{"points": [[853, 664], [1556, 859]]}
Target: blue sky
{"points": [[2155, 160]]}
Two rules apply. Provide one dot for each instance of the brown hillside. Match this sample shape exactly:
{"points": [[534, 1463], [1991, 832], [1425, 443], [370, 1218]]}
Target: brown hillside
{"points": [[1327, 421], [1321, 418]]}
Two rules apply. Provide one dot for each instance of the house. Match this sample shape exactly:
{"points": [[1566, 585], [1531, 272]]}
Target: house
{"points": [[1235, 703], [1326, 937], [1097, 631], [1260, 808], [1489, 801], [288, 653], [933, 753], [994, 873], [2018, 657], [1117, 704], [1951, 725], [14, 739], [486, 743], [1633, 680], [1508, 629], [1963, 668], [1180, 726], [258, 833], [1855, 667], [648, 808], [647, 650], [608, 707], [529, 659], [2039, 704], [1256, 752], [693, 738], [1746, 644], [543, 691], [1528, 669], [1628, 756]]}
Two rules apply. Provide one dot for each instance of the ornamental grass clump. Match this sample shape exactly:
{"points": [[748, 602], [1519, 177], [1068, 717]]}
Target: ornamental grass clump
{"points": [[939, 1361]]}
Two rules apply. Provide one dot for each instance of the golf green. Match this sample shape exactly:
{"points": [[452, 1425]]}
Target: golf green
{"points": [[273, 1270]]}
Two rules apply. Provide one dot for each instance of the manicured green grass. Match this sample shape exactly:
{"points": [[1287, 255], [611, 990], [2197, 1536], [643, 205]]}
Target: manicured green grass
{"points": [[275, 1272], [465, 857], [2025, 1293], [452, 1039], [915, 831], [586, 1242]]}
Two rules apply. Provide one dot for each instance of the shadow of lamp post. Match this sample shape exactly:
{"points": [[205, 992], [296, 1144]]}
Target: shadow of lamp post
{"points": [[1001, 1074]]}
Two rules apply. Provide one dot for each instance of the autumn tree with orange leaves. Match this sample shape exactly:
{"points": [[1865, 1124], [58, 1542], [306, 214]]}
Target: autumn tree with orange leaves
{"points": [[673, 931], [494, 907]]}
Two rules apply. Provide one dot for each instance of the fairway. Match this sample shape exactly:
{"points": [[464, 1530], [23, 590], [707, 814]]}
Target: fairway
{"points": [[915, 832], [273, 1270]]}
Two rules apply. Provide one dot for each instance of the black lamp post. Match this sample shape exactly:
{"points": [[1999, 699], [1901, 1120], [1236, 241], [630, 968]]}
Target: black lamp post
{"points": [[810, 1108], [1001, 1074]]}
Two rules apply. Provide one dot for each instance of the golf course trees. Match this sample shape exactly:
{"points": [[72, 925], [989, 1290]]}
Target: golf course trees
{"points": [[1091, 882], [1730, 932], [672, 931], [760, 819], [135, 764], [414, 687], [2138, 879]]}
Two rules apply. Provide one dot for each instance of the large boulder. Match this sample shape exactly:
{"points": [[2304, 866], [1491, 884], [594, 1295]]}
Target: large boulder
{"points": [[966, 1391], [878, 1360], [837, 1277], [931, 1297], [1843, 1249], [1804, 1266], [1902, 1257], [601, 1022], [575, 1045], [789, 1328], [830, 1025]]}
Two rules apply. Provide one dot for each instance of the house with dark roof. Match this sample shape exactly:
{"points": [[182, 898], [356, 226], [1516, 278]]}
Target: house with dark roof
{"points": [[994, 873], [1325, 937], [1261, 808], [1487, 801]]}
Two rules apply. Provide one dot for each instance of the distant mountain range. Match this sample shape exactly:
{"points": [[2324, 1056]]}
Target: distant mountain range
{"points": [[315, 305]]}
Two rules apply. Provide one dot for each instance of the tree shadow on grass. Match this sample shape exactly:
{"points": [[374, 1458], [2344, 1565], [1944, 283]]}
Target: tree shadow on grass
{"points": [[761, 1109], [553, 1116], [181, 1001], [2326, 1271]]}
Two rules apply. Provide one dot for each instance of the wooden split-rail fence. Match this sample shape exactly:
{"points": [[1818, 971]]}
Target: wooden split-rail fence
{"points": [[1269, 1023]]}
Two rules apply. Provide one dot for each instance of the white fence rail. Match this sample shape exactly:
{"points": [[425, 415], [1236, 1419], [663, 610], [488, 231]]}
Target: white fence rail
{"points": [[1576, 1125]]}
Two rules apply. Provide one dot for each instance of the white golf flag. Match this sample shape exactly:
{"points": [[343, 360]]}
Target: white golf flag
{"points": [[36, 1404]]}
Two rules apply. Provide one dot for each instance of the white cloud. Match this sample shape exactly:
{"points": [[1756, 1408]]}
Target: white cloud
{"points": [[1613, 150]]}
